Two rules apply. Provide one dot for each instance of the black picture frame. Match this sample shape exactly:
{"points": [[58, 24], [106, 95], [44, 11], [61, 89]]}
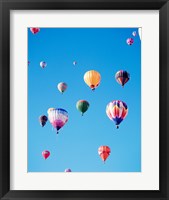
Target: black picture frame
{"points": [[5, 7]]}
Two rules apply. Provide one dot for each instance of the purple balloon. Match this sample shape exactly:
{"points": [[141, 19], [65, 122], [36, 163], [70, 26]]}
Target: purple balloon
{"points": [[130, 41], [68, 170]]}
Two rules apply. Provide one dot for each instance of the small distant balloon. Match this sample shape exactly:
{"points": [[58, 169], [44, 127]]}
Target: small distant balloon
{"points": [[43, 64], [74, 63], [130, 41], [62, 87], [82, 106], [122, 77], [134, 33], [35, 30], [28, 62], [104, 152], [43, 119], [45, 154], [68, 170]]}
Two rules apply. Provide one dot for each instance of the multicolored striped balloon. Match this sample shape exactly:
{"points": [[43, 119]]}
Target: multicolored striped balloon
{"points": [[122, 77], [104, 152], [58, 118], [117, 111]]}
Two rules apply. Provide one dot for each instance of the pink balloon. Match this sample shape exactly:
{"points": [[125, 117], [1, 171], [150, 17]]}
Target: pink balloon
{"points": [[130, 41], [46, 154], [34, 30]]}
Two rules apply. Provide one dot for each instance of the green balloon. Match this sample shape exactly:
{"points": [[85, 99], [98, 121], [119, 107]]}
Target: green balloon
{"points": [[82, 106]]}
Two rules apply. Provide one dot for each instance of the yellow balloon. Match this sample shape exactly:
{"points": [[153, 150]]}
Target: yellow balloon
{"points": [[92, 79]]}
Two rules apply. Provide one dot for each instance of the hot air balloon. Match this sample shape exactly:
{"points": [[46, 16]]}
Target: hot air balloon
{"points": [[130, 41], [140, 32], [43, 119], [134, 33], [34, 30], [82, 106], [43, 64], [92, 79], [58, 118], [74, 63], [28, 62], [68, 170], [45, 154], [104, 152], [117, 111], [62, 87], [122, 77]]}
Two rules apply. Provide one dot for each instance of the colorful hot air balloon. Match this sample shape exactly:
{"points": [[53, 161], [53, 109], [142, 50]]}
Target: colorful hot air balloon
{"points": [[122, 77], [45, 154], [92, 79], [140, 32], [68, 170], [104, 152], [43, 119], [117, 111], [34, 30], [130, 41], [74, 63], [62, 87], [82, 106], [43, 64], [134, 33], [58, 118]]}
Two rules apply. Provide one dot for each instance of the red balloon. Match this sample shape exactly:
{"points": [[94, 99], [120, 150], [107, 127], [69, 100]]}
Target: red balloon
{"points": [[34, 30], [46, 154], [104, 152]]}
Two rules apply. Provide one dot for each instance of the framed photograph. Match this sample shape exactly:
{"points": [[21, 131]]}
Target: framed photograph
{"points": [[84, 99]]}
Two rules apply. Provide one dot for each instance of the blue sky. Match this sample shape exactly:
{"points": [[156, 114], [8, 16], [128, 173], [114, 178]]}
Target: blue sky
{"points": [[76, 146]]}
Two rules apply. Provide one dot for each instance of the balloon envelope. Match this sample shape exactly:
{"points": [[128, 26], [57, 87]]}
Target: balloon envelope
{"points": [[117, 111], [34, 30], [68, 170], [92, 79], [122, 77], [104, 152], [58, 118], [43, 119], [130, 41], [43, 64], [62, 87], [46, 154], [82, 106], [134, 33]]}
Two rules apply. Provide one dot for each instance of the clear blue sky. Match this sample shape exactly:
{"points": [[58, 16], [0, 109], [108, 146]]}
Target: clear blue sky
{"points": [[76, 146]]}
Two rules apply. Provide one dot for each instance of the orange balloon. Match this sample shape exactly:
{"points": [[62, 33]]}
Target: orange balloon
{"points": [[104, 152], [92, 79]]}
